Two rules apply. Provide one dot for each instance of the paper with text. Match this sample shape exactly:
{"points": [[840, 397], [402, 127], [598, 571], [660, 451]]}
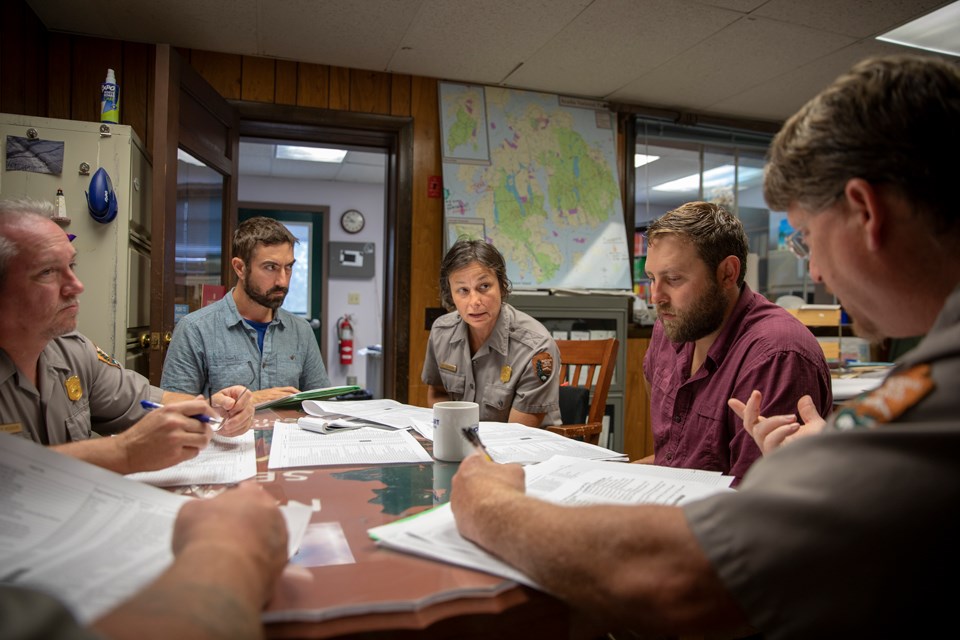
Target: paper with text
{"points": [[88, 536], [295, 447], [223, 461], [386, 412], [562, 480]]}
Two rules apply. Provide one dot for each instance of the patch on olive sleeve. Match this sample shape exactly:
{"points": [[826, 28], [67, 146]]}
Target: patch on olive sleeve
{"points": [[542, 365], [898, 393], [106, 358]]}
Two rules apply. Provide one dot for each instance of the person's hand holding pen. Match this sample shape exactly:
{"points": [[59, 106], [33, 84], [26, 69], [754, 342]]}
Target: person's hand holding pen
{"points": [[236, 408], [479, 488], [164, 437]]}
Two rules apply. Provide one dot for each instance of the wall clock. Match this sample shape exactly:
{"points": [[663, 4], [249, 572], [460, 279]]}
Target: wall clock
{"points": [[352, 221]]}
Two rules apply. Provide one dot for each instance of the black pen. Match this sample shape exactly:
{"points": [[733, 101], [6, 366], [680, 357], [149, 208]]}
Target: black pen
{"points": [[473, 437]]}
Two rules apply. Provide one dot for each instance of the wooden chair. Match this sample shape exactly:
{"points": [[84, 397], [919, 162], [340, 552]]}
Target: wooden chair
{"points": [[588, 364]]}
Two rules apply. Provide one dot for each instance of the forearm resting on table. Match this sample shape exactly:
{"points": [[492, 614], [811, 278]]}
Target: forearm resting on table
{"points": [[436, 394], [638, 566], [207, 593], [105, 452], [528, 419]]}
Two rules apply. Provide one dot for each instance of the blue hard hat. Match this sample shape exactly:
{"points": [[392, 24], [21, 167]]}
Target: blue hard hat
{"points": [[101, 200]]}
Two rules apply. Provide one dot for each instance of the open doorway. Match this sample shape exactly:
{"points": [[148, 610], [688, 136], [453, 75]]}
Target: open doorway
{"points": [[340, 270]]}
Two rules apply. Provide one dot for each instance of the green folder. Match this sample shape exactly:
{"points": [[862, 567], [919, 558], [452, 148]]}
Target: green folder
{"points": [[295, 399]]}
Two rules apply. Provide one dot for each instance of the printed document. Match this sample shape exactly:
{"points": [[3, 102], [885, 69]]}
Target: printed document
{"points": [[223, 461], [512, 442], [89, 536], [295, 447], [386, 412], [561, 480]]}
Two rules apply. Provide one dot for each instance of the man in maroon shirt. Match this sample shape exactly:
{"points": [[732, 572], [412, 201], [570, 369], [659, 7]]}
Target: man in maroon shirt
{"points": [[716, 339]]}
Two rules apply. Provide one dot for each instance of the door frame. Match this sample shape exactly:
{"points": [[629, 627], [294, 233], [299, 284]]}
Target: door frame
{"points": [[394, 134], [187, 113]]}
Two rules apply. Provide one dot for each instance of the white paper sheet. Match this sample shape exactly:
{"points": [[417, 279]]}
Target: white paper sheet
{"points": [[562, 480], [223, 461], [295, 447], [386, 412], [88, 536], [511, 442]]}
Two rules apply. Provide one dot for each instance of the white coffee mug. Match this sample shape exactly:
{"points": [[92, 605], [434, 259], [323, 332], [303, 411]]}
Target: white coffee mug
{"points": [[449, 418]]}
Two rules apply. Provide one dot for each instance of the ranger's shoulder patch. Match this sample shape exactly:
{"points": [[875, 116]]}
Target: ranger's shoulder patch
{"points": [[899, 392], [542, 365], [106, 358]]}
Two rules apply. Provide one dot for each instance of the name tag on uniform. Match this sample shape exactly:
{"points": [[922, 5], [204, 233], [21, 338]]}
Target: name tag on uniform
{"points": [[446, 366], [11, 428]]}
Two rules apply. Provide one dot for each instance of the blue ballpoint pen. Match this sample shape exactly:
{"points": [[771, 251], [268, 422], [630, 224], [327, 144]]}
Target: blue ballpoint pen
{"points": [[215, 423]]}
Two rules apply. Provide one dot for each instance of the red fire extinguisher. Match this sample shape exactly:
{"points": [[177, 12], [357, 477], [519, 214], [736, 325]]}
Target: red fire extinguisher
{"points": [[345, 339]]}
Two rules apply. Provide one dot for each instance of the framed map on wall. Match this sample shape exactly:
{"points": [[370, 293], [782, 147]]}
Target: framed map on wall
{"points": [[540, 171]]}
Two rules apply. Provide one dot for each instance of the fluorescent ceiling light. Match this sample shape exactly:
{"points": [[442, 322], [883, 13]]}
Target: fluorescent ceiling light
{"points": [[311, 154], [640, 159], [183, 156], [712, 178], [938, 31]]}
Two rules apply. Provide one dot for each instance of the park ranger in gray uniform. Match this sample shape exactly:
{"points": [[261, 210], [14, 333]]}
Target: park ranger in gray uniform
{"points": [[486, 351], [82, 391], [58, 389]]}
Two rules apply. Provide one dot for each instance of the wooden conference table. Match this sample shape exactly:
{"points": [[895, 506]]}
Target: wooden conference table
{"points": [[383, 593]]}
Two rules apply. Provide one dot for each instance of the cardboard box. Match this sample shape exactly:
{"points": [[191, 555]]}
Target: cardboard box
{"points": [[818, 315]]}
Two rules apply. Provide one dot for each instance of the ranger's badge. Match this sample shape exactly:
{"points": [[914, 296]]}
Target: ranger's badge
{"points": [[505, 373], [73, 387]]}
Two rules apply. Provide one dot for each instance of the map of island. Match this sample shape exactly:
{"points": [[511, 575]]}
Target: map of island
{"points": [[542, 175]]}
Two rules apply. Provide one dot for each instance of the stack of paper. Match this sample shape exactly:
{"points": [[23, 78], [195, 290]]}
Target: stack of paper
{"points": [[569, 481], [292, 446], [88, 536], [223, 461]]}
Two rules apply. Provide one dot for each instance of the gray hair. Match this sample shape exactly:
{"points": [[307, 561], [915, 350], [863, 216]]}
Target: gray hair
{"points": [[14, 212], [464, 253]]}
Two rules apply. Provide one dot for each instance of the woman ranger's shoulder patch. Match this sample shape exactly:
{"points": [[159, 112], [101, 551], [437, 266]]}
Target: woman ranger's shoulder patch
{"points": [[542, 365]]}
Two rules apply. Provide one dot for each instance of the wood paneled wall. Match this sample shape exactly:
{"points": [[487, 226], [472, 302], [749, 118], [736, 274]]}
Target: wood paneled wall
{"points": [[58, 76]]}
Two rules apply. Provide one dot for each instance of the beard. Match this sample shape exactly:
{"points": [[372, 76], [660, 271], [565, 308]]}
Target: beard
{"points": [[703, 318], [267, 299], [63, 325]]}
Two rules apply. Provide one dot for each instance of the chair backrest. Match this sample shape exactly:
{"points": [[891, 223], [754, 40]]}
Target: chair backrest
{"points": [[589, 364]]}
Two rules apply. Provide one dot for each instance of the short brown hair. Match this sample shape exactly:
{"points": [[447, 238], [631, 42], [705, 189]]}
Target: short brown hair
{"points": [[464, 253], [259, 230], [889, 120], [715, 232]]}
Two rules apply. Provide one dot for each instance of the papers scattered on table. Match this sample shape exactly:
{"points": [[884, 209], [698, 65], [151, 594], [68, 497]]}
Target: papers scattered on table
{"points": [[223, 461], [294, 399], [326, 425], [86, 535], [389, 413], [562, 480], [292, 446], [511, 442]]}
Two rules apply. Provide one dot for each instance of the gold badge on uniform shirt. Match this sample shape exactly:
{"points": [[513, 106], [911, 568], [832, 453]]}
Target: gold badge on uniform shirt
{"points": [[446, 366], [505, 373], [74, 390]]}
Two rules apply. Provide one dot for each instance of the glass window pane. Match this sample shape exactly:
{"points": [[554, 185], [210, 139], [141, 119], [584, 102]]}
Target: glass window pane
{"points": [[298, 298], [199, 232]]}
